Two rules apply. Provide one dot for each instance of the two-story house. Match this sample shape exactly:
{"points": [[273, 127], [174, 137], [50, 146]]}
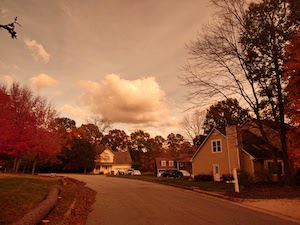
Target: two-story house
{"points": [[240, 148], [182, 162], [110, 162]]}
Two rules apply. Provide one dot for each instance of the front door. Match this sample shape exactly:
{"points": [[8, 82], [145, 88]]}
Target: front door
{"points": [[216, 172]]}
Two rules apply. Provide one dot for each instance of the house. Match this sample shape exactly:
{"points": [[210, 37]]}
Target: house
{"points": [[162, 164], [240, 148], [110, 162], [182, 162]]}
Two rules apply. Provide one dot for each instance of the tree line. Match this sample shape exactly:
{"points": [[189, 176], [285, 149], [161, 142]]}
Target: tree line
{"points": [[33, 137]]}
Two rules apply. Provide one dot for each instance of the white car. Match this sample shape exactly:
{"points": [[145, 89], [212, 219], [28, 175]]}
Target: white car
{"points": [[185, 173], [136, 173], [128, 171]]}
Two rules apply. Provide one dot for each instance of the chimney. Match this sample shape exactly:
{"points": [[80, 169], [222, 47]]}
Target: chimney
{"points": [[233, 146]]}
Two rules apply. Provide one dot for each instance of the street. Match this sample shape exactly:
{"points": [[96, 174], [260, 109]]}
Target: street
{"points": [[133, 202]]}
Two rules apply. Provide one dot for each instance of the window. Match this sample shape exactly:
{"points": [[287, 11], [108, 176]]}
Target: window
{"points": [[216, 146], [171, 163], [106, 157], [272, 169], [163, 163]]}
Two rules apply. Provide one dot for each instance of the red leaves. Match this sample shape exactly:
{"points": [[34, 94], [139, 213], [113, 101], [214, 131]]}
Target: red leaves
{"points": [[292, 75], [25, 129]]}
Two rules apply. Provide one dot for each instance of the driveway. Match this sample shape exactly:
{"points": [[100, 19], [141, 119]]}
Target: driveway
{"points": [[122, 201]]}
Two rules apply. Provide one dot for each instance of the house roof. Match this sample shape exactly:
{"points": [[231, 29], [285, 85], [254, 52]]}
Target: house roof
{"points": [[123, 157], [255, 146]]}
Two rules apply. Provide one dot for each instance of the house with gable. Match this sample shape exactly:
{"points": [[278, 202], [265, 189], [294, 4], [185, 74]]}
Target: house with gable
{"points": [[240, 148], [182, 162], [110, 162]]}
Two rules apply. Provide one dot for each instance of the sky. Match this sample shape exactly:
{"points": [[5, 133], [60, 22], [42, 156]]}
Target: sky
{"points": [[117, 59]]}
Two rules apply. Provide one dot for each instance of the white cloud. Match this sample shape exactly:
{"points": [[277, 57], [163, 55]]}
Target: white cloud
{"points": [[74, 112], [42, 80], [8, 79], [125, 101], [37, 50]]}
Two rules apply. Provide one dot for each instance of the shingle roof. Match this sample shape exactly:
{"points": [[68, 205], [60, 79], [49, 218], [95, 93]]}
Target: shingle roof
{"points": [[122, 157], [255, 146]]}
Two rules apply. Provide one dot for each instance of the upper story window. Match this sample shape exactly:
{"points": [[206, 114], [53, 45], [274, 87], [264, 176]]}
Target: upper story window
{"points": [[171, 163], [216, 146], [106, 157], [163, 163]]}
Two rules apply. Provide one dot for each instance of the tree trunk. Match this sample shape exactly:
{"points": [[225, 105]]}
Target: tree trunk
{"points": [[24, 168], [33, 166]]}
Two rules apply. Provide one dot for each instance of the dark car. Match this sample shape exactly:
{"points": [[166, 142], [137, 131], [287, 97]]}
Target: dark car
{"points": [[172, 173]]}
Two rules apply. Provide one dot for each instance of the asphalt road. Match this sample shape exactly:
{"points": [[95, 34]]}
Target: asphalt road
{"points": [[132, 202]]}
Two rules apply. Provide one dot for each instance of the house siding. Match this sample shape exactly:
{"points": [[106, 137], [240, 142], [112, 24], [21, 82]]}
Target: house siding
{"points": [[247, 163], [205, 159]]}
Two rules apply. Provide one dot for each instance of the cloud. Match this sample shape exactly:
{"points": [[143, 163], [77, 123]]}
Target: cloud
{"points": [[37, 50], [42, 80], [74, 112], [125, 101], [8, 79]]}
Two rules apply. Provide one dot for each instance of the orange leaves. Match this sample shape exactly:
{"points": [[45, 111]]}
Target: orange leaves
{"points": [[292, 76]]}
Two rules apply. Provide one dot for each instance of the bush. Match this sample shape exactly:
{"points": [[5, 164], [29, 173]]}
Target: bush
{"points": [[203, 177], [226, 177], [263, 176], [245, 178]]}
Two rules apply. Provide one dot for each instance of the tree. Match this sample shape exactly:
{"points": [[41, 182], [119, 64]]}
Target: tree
{"points": [[92, 133], [138, 146], [242, 55], [292, 76], [25, 127], [79, 152], [224, 113], [192, 124], [10, 28], [118, 140], [102, 123]]}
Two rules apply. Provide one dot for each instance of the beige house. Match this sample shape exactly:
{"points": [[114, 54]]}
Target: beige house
{"points": [[239, 148], [110, 162]]}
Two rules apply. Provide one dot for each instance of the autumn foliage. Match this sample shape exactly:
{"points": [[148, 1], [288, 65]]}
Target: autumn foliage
{"points": [[292, 76], [26, 131]]}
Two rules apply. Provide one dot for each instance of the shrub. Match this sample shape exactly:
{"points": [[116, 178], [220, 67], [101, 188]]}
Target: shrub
{"points": [[226, 177], [245, 178], [203, 177], [263, 176]]}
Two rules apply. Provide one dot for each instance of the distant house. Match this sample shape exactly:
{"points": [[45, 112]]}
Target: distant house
{"points": [[171, 163], [240, 148], [110, 162]]}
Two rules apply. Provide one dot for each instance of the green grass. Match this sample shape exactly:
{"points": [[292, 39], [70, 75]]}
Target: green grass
{"points": [[19, 194]]}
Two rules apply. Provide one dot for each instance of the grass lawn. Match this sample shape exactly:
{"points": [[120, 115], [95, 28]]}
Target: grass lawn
{"points": [[255, 191], [20, 193]]}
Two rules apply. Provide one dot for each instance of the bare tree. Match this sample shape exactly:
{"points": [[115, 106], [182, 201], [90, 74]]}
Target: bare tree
{"points": [[192, 124], [241, 55], [103, 124]]}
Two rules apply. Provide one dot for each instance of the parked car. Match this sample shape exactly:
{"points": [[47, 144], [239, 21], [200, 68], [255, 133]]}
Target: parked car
{"points": [[172, 173], [128, 171], [136, 173], [185, 173]]}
